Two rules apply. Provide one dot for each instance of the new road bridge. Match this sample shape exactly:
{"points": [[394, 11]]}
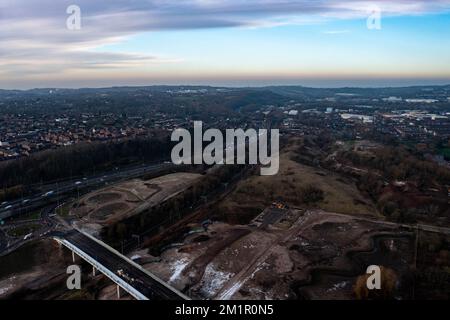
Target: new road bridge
{"points": [[128, 275]]}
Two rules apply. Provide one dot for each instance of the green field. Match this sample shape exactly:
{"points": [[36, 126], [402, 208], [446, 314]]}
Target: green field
{"points": [[23, 230], [34, 215], [64, 210]]}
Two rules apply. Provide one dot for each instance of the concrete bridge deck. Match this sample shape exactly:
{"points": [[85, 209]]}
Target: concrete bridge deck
{"points": [[128, 275]]}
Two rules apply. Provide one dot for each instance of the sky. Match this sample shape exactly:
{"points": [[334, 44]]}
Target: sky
{"points": [[224, 42]]}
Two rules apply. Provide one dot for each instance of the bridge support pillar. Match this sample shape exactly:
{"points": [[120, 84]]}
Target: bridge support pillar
{"points": [[73, 256], [118, 292], [93, 271]]}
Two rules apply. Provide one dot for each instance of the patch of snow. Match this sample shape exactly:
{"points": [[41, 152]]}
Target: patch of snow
{"points": [[227, 294], [177, 268], [337, 286], [213, 280], [7, 287]]}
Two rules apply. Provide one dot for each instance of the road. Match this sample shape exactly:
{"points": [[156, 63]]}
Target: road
{"points": [[235, 283], [63, 189], [149, 286], [419, 226], [9, 243], [47, 205]]}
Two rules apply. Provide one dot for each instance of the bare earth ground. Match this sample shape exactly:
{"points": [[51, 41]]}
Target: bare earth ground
{"points": [[33, 270], [38, 271], [115, 203], [274, 256]]}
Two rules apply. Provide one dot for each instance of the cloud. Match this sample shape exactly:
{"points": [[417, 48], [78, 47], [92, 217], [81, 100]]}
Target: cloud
{"points": [[34, 37]]}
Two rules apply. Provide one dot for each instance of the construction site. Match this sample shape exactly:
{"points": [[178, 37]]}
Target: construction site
{"points": [[116, 203], [284, 254]]}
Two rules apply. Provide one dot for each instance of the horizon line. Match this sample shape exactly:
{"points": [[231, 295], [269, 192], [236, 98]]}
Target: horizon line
{"points": [[232, 86]]}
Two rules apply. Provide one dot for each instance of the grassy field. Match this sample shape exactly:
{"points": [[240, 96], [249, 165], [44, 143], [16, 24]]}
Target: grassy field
{"points": [[445, 152], [34, 215], [23, 230], [257, 192], [64, 210]]}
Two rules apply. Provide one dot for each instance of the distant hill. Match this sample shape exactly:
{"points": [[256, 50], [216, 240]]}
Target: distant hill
{"points": [[200, 99], [406, 92]]}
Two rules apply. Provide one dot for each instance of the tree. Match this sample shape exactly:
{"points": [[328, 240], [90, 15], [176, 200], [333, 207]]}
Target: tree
{"points": [[121, 230], [387, 290], [312, 194]]}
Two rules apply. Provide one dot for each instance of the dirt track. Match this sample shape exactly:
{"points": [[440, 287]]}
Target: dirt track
{"points": [[274, 258], [115, 203]]}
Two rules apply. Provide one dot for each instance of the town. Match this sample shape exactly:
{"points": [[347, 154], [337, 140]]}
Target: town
{"points": [[421, 117]]}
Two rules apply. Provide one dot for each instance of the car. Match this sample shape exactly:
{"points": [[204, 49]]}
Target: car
{"points": [[120, 272], [77, 183], [125, 276], [48, 193], [8, 207], [28, 236], [25, 201]]}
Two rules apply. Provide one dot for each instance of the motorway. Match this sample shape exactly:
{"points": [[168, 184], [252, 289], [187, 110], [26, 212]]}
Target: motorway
{"points": [[127, 271], [146, 283], [47, 204], [58, 191]]}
